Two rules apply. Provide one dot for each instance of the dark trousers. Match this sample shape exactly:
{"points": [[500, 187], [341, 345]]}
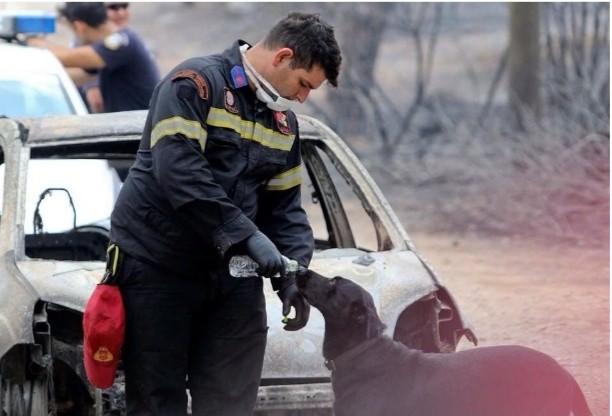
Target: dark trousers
{"points": [[191, 333]]}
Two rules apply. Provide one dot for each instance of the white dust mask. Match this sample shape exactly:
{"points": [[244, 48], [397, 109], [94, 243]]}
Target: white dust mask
{"points": [[273, 99]]}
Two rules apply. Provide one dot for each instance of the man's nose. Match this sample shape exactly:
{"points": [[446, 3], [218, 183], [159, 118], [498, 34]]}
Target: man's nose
{"points": [[302, 95]]}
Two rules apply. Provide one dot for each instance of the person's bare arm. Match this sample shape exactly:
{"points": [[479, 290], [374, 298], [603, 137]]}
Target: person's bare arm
{"points": [[78, 57], [79, 76], [94, 100]]}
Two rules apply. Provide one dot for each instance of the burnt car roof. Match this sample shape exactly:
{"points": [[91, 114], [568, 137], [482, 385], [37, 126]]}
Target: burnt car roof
{"points": [[108, 135], [57, 133]]}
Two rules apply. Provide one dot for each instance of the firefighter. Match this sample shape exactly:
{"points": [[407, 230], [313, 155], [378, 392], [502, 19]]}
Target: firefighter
{"points": [[217, 174]]}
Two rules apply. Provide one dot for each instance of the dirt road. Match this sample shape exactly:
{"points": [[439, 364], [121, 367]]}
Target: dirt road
{"points": [[550, 296]]}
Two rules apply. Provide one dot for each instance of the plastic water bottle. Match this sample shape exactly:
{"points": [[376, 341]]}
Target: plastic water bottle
{"points": [[244, 266]]}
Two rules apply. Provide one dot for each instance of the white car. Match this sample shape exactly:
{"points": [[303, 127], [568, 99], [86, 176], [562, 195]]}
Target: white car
{"points": [[34, 83]]}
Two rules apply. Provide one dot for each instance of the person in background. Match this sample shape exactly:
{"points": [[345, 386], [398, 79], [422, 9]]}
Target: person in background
{"points": [[127, 73], [119, 14], [218, 174]]}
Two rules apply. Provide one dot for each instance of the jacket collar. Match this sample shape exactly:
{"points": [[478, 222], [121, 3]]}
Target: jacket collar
{"points": [[232, 64]]}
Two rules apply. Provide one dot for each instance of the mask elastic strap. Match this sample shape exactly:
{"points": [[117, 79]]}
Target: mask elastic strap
{"points": [[269, 94], [257, 79]]}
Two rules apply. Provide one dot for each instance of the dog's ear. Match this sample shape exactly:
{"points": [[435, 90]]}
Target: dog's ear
{"points": [[358, 313]]}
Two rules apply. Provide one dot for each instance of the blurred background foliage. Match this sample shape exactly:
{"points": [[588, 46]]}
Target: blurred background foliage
{"points": [[487, 117]]}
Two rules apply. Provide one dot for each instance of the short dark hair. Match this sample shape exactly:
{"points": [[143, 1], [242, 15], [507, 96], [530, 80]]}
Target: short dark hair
{"points": [[91, 13], [312, 41]]}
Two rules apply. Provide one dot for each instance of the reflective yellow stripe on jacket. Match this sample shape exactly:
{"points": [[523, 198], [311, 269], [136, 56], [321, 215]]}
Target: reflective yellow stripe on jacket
{"points": [[178, 125], [217, 117], [285, 180], [249, 130]]}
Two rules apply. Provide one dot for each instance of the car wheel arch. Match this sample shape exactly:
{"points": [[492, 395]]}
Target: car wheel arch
{"points": [[432, 324]]}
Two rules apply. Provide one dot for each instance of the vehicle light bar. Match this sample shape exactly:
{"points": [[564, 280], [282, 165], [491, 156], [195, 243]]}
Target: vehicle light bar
{"points": [[31, 22]]}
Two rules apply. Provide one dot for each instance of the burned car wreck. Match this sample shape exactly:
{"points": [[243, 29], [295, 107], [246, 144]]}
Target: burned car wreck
{"points": [[53, 236]]}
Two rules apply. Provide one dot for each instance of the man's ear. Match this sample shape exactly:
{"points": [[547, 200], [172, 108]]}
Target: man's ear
{"points": [[78, 25], [79, 28], [358, 313], [282, 55]]}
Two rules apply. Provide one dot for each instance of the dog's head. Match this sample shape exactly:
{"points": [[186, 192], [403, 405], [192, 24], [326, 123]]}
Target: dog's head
{"points": [[348, 309]]}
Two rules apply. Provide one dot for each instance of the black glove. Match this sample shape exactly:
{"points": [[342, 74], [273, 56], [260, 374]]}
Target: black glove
{"points": [[291, 296], [264, 252]]}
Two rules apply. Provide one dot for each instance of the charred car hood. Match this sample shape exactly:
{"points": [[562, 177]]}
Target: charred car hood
{"points": [[396, 279]]}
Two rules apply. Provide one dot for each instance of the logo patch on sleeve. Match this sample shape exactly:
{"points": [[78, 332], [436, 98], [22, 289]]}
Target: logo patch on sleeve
{"points": [[116, 41], [196, 78], [230, 101]]}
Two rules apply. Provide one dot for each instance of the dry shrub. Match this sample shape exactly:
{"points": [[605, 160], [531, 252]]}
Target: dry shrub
{"points": [[551, 180]]}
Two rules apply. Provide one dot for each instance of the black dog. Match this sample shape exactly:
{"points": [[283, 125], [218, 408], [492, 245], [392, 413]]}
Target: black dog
{"points": [[376, 376]]}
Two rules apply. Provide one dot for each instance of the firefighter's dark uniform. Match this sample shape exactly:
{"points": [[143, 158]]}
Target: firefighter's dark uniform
{"points": [[214, 165]]}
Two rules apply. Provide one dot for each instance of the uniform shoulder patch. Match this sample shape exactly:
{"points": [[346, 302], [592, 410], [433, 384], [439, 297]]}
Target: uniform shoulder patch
{"points": [[196, 78], [230, 101], [238, 77], [116, 41]]}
